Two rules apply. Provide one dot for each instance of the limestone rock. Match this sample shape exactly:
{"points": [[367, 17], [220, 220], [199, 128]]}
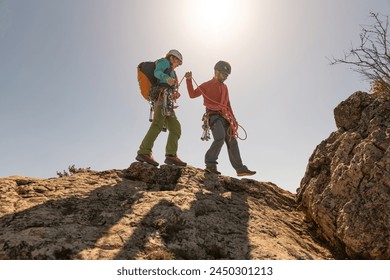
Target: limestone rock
{"points": [[346, 187], [145, 212]]}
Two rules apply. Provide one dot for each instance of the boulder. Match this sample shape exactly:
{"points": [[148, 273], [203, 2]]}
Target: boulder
{"points": [[346, 187]]}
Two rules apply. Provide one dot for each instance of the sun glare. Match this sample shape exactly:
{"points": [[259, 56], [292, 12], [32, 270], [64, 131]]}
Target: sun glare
{"points": [[215, 13], [217, 20]]}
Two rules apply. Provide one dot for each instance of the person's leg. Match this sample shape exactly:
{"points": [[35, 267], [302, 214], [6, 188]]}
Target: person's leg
{"points": [[153, 132], [218, 131], [235, 157], [171, 148], [174, 128], [234, 152]]}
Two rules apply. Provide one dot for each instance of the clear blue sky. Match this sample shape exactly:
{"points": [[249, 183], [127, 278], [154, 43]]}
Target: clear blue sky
{"points": [[69, 91]]}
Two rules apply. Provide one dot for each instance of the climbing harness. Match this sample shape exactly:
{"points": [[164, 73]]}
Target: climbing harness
{"points": [[164, 97], [226, 114], [206, 126]]}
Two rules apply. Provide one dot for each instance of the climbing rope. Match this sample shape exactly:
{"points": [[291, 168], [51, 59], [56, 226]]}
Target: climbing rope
{"points": [[233, 128]]}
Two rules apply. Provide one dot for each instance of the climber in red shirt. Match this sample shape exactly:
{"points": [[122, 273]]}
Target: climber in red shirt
{"points": [[222, 121]]}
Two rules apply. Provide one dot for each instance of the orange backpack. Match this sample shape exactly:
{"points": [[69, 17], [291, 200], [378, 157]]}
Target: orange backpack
{"points": [[146, 78]]}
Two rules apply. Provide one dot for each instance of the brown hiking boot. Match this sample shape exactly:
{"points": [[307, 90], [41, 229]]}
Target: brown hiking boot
{"points": [[146, 158], [245, 172], [174, 160], [212, 170]]}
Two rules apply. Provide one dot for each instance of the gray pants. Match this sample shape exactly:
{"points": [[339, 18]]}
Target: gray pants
{"points": [[219, 128]]}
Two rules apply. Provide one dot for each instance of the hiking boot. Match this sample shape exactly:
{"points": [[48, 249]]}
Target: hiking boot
{"points": [[245, 172], [146, 158], [212, 170], [174, 160]]}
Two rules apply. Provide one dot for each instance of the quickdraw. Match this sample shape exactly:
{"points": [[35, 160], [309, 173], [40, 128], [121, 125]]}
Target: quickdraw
{"points": [[206, 127], [167, 103], [164, 97]]}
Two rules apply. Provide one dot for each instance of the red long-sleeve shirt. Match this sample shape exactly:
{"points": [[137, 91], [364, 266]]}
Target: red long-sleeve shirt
{"points": [[215, 95]]}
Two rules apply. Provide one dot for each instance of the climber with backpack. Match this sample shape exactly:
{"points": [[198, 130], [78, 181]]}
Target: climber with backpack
{"points": [[219, 118], [161, 90]]}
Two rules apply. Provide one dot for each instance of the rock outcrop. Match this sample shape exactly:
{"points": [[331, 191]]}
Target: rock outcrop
{"points": [[346, 187], [145, 212]]}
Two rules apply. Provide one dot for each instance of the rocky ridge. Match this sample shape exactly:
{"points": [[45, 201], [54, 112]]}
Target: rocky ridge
{"points": [[145, 212]]}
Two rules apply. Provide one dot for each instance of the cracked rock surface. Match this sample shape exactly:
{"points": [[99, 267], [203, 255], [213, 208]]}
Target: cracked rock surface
{"points": [[346, 188], [145, 212]]}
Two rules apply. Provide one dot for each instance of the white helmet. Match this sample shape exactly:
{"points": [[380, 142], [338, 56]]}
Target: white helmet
{"points": [[177, 54]]}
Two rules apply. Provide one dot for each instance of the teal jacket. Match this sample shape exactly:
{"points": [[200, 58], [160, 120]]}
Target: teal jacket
{"points": [[162, 65]]}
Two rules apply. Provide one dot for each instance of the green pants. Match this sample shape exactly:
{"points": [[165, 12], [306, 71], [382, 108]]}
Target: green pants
{"points": [[159, 121]]}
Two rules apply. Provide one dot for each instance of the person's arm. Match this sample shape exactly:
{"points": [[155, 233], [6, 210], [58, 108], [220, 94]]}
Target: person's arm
{"points": [[190, 88]]}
